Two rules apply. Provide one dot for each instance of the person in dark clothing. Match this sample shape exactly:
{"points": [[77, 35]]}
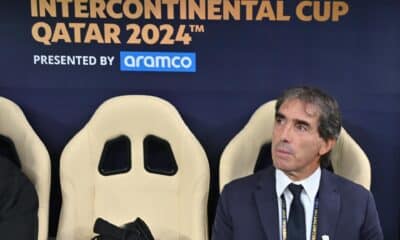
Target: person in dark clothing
{"points": [[296, 199], [18, 204]]}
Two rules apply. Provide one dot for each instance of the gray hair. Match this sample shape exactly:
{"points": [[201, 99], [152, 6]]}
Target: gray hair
{"points": [[330, 121]]}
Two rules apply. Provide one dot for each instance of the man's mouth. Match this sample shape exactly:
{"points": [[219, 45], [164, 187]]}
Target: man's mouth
{"points": [[283, 150]]}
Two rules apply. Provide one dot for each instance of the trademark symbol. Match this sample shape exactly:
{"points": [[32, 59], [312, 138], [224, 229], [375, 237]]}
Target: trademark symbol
{"points": [[195, 28]]}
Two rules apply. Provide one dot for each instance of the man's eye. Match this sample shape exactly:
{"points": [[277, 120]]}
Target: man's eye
{"points": [[279, 120], [302, 127]]}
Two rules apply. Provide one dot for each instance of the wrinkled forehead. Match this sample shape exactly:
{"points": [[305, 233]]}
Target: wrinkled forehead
{"points": [[310, 109]]}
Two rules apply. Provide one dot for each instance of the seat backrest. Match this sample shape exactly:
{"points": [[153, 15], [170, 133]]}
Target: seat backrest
{"points": [[174, 206], [32, 155], [240, 155]]}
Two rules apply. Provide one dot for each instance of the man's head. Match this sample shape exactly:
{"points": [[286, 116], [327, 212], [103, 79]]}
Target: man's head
{"points": [[307, 124]]}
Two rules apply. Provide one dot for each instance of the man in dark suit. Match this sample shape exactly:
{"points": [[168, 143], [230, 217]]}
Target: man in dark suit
{"points": [[18, 204], [295, 199]]}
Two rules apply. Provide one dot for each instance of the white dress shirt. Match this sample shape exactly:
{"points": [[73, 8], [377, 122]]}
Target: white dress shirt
{"points": [[310, 189]]}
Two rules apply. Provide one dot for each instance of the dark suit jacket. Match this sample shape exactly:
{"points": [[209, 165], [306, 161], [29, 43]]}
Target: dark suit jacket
{"points": [[18, 204], [248, 209]]}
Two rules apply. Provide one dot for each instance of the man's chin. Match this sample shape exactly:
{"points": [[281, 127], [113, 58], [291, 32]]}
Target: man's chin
{"points": [[282, 164]]}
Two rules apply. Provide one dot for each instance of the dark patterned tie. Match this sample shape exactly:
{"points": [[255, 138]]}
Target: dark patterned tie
{"points": [[296, 227]]}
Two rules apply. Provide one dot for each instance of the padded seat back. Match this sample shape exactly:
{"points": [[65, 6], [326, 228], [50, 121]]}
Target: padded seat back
{"points": [[32, 156], [174, 205]]}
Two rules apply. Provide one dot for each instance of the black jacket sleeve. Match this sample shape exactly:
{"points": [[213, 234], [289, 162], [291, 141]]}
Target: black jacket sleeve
{"points": [[18, 204]]}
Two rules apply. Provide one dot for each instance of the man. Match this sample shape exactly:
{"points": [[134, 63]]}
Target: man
{"points": [[296, 199], [18, 204]]}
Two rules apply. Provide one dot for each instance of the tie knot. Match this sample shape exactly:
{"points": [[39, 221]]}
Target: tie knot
{"points": [[295, 190]]}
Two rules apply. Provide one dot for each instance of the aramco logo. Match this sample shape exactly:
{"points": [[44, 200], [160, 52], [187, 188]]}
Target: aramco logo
{"points": [[158, 61]]}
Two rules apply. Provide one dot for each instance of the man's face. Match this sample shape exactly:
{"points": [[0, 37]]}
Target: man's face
{"points": [[296, 144]]}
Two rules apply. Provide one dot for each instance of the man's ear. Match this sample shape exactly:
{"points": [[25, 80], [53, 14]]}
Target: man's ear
{"points": [[326, 146]]}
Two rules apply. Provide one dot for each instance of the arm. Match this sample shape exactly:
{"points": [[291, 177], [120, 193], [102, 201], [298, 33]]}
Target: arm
{"points": [[371, 228], [222, 228], [19, 219]]}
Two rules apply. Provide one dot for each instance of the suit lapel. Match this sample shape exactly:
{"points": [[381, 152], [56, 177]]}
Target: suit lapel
{"points": [[267, 205], [329, 206]]}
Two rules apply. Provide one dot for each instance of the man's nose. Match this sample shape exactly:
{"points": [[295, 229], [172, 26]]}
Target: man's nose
{"points": [[286, 134]]}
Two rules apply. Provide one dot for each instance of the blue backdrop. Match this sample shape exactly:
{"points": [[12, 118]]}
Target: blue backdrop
{"points": [[240, 64]]}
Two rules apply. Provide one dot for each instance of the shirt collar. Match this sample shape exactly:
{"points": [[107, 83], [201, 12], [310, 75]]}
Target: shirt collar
{"points": [[310, 184]]}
